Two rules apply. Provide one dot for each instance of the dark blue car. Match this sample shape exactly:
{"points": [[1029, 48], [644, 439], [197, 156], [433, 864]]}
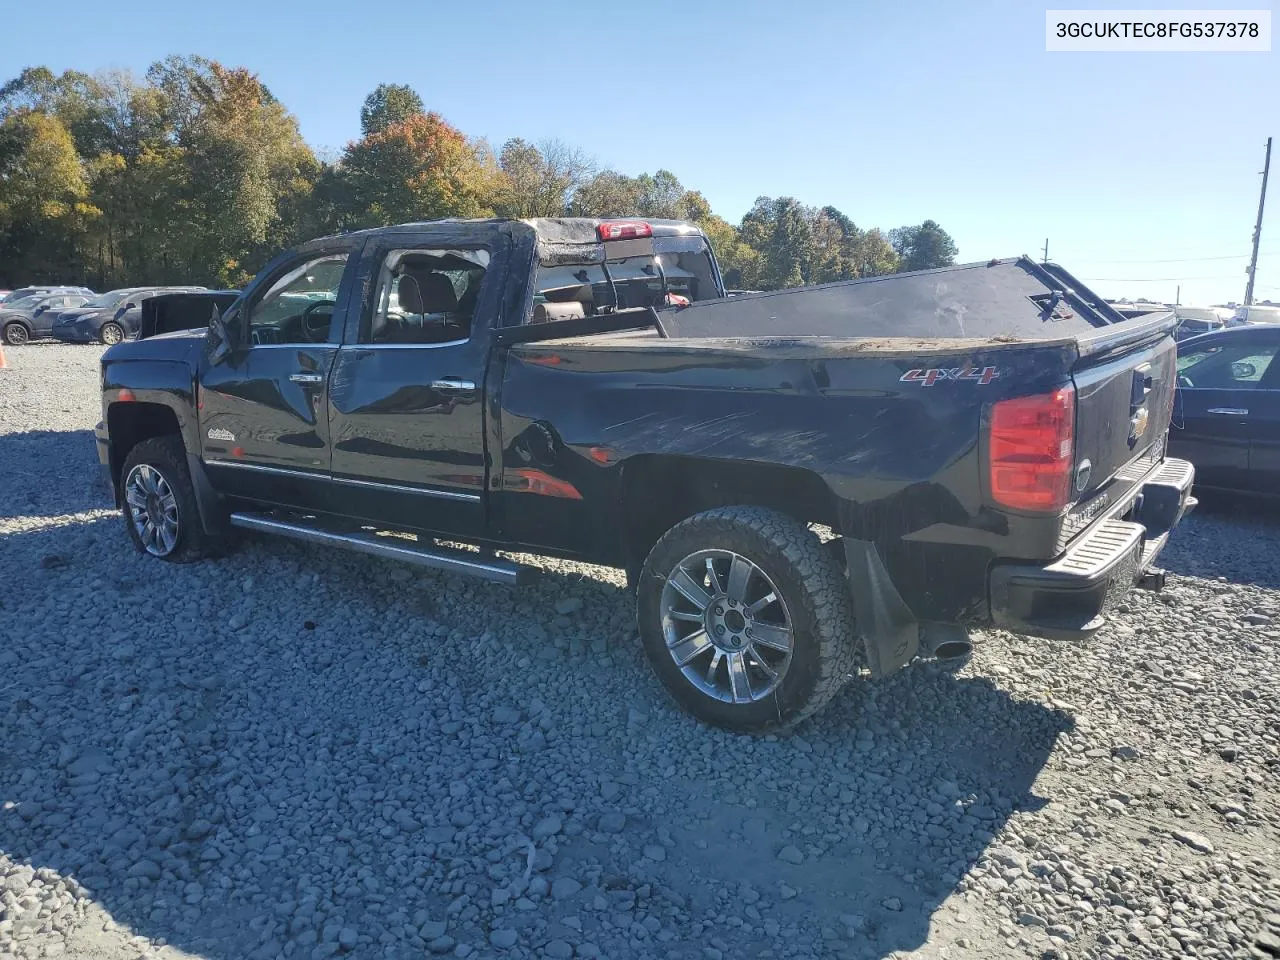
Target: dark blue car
{"points": [[31, 318], [1226, 416], [110, 317]]}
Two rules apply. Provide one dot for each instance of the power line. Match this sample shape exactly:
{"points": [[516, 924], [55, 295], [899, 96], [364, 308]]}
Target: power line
{"points": [[1234, 256], [1227, 276]]}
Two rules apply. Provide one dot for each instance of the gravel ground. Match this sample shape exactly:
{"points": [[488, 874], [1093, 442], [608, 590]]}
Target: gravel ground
{"points": [[300, 753]]}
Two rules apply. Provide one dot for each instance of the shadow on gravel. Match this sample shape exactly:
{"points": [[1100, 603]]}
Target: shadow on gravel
{"points": [[46, 473], [296, 753], [1227, 536]]}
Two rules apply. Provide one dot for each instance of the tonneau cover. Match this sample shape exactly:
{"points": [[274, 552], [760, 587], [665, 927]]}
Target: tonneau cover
{"points": [[1014, 299]]}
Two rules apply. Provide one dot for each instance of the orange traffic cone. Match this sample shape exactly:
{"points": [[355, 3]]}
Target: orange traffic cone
{"points": [[2, 361]]}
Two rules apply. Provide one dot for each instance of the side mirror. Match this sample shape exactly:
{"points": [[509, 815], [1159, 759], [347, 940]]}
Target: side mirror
{"points": [[131, 305], [221, 340]]}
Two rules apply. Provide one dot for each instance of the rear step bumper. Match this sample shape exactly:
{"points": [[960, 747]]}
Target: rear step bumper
{"points": [[1069, 598], [469, 564]]}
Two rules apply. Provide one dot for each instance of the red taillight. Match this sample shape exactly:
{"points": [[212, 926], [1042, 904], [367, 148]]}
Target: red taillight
{"points": [[1031, 450], [623, 230]]}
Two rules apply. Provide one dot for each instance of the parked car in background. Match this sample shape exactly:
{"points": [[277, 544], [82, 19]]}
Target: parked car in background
{"points": [[1226, 415], [1129, 309], [1258, 313], [23, 293], [110, 318], [32, 317], [171, 312], [1194, 321]]}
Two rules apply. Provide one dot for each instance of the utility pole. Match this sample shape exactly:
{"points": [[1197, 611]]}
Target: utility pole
{"points": [[1257, 229], [1046, 243], [1177, 300]]}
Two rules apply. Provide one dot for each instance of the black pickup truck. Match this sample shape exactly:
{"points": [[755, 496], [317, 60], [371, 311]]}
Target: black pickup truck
{"points": [[799, 484]]}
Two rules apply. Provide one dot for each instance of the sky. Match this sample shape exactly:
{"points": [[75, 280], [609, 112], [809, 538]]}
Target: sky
{"points": [[1141, 169]]}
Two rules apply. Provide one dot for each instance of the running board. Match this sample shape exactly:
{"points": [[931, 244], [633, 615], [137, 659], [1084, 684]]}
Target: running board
{"points": [[490, 568]]}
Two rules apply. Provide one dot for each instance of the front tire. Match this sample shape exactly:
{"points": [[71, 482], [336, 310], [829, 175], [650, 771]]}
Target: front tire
{"points": [[16, 334], [160, 503], [111, 333], [746, 619]]}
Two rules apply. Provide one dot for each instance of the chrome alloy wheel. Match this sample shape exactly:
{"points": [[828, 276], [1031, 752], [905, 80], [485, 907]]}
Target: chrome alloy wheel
{"points": [[153, 509], [726, 626]]}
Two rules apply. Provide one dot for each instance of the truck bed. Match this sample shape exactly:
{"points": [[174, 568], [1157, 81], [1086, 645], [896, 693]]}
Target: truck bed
{"points": [[1012, 299]]}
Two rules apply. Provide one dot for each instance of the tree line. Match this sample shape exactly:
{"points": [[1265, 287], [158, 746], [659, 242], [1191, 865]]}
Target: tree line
{"points": [[196, 173]]}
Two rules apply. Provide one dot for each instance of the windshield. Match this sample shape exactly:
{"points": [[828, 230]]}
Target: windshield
{"points": [[631, 281], [109, 299]]}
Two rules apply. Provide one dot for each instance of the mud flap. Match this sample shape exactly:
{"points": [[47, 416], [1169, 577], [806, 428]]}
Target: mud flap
{"points": [[213, 514], [889, 629]]}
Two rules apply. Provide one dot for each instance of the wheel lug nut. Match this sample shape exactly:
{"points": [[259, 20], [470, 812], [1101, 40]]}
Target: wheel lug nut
{"points": [[719, 629], [719, 610]]}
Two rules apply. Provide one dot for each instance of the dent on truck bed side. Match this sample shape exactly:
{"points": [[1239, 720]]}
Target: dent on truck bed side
{"points": [[897, 458]]}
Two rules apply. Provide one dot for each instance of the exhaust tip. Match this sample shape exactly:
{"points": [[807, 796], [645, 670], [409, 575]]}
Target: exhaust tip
{"points": [[953, 650]]}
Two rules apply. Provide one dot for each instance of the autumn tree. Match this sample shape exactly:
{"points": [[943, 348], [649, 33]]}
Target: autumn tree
{"points": [[420, 168], [196, 173], [43, 203]]}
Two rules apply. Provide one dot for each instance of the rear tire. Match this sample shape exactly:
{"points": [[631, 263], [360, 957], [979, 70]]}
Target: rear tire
{"points": [[156, 491], [777, 662], [111, 333], [16, 334]]}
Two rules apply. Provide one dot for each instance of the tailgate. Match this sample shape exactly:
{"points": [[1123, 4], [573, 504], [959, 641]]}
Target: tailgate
{"points": [[1124, 399]]}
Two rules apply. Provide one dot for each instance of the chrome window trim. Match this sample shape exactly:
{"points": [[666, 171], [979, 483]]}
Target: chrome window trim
{"points": [[404, 346]]}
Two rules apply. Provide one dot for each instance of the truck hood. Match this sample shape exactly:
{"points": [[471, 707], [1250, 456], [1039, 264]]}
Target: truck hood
{"points": [[182, 346]]}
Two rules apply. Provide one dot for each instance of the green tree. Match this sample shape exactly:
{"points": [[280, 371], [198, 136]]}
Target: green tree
{"points": [[659, 195], [44, 205], [739, 263], [607, 194], [782, 231], [389, 103], [923, 247]]}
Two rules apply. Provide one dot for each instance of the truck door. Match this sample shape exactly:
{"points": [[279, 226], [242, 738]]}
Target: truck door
{"points": [[1218, 383], [263, 409], [406, 407]]}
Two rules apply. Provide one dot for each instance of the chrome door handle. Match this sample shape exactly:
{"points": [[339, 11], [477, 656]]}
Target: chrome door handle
{"points": [[453, 385], [306, 377], [1230, 411]]}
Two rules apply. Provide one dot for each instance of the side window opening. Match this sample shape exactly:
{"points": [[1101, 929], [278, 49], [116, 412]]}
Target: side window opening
{"points": [[1233, 366], [299, 306], [427, 296], [669, 277]]}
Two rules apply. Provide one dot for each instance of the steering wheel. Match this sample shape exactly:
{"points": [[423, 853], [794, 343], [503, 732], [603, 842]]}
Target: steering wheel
{"points": [[310, 331], [1243, 370]]}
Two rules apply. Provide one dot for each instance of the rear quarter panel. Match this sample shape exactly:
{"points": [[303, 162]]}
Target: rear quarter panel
{"points": [[896, 448]]}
